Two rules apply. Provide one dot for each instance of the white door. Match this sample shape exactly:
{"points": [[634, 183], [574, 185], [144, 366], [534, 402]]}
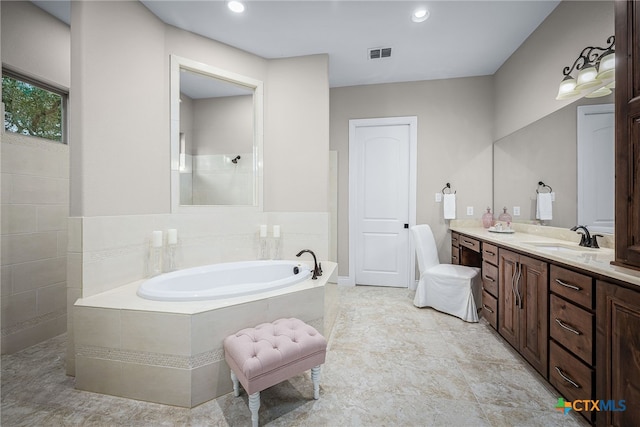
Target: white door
{"points": [[380, 155], [596, 166]]}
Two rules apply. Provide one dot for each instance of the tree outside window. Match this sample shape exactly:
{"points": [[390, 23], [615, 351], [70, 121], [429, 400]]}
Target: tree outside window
{"points": [[32, 110]]}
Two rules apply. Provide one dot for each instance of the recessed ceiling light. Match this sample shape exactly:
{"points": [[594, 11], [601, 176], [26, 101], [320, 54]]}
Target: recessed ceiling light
{"points": [[420, 15], [235, 6]]}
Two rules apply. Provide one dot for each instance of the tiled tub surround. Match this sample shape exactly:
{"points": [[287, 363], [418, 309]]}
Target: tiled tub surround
{"points": [[108, 252], [171, 353], [597, 261], [35, 200]]}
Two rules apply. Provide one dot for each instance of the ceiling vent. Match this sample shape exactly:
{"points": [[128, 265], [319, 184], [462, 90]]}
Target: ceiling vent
{"points": [[379, 52]]}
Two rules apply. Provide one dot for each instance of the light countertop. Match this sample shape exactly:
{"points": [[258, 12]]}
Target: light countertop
{"points": [[593, 260]]}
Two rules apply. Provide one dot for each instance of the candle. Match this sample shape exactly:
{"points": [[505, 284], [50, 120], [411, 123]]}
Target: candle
{"points": [[172, 236], [157, 239], [276, 231], [263, 230]]}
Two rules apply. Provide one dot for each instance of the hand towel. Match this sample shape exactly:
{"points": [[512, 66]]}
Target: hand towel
{"points": [[449, 206], [544, 207]]}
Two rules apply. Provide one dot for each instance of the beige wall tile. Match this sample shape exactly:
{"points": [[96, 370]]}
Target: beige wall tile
{"points": [[156, 384], [7, 182], [98, 375], [29, 247], [74, 271], [52, 217], [109, 272], [34, 334], [62, 243], [35, 274], [74, 230], [38, 190], [156, 332], [34, 156], [6, 280], [18, 308], [210, 381], [52, 298], [305, 305], [96, 327], [18, 219], [211, 328]]}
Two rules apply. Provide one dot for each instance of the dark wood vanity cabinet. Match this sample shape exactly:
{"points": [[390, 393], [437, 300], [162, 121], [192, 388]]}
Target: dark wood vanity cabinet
{"points": [[490, 284], [571, 333], [523, 286], [618, 353], [455, 248]]}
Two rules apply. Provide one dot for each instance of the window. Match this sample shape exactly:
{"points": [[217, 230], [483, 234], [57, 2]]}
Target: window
{"points": [[33, 108]]}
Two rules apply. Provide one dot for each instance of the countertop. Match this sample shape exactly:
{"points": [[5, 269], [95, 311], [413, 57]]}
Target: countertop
{"points": [[592, 260]]}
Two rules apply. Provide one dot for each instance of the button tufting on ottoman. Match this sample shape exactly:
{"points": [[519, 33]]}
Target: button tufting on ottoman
{"points": [[270, 353]]}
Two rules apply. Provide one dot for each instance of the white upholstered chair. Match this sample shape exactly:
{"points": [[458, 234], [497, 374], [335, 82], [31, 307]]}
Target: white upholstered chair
{"points": [[452, 289]]}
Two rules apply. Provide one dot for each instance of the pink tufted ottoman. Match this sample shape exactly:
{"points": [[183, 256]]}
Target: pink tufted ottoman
{"points": [[270, 353]]}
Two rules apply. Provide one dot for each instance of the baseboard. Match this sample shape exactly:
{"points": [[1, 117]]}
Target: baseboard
{"points": [[346, 281]]}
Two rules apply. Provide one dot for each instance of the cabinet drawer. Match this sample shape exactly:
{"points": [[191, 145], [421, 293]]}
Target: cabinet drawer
{"points": [[470, 243], [490, 253], [572, 378], [572, 327], [490, 309], [455, 255], [574, 286], [455, 238], [490, 278]]}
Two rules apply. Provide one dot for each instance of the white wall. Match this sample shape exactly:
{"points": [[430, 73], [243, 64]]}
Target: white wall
{"points": [[35, 43], [527, 83], [454, 145], [119, 115]]}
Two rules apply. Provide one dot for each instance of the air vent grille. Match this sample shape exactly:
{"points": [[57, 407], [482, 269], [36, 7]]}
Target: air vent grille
{"points": [[379, 52]]}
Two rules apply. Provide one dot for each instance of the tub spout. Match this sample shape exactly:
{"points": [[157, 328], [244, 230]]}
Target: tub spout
{"points": [[317, 267]]}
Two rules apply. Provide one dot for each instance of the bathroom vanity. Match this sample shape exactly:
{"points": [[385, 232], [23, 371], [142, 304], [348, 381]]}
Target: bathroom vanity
{"points": [[570, 313]]}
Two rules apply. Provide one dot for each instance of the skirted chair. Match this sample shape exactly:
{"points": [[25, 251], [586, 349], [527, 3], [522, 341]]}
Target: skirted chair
{"points": [[452, 289]]}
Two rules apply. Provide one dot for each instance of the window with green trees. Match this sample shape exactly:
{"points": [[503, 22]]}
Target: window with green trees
{"points": [[31, 109]]}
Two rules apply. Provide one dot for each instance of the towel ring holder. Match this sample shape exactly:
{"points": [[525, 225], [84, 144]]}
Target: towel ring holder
{"points": [[447, 187], [543, 185]]}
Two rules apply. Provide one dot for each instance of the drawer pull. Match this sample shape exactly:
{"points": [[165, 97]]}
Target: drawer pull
{"points": [[567, 327], [467, 242], [491, 279], [567, 285], [454, 257], [489, 253], [486, 307], [566, 378]]}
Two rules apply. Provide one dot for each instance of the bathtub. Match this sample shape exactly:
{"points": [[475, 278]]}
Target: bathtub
{"points": [[220, 281]]}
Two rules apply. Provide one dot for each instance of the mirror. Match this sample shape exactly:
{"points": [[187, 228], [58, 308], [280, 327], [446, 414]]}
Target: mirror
{"points": [[216, 137], [547, 151]]}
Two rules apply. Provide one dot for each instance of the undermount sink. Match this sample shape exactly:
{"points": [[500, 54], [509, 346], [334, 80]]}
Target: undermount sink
{"points": [[560, 247]]}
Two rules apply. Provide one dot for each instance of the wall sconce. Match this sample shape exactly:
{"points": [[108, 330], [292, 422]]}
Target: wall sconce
{"points": [[595, 68]]}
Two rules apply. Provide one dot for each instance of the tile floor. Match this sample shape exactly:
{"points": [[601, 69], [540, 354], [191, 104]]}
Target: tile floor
{"points": [[388, 364]]}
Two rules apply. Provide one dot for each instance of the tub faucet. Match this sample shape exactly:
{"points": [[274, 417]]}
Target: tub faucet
{"points": [[317, 267], [586, 240]]}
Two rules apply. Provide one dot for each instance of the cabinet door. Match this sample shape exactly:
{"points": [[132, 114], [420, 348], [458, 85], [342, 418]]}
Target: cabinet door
{"points": [[507, 307], [534, 315], [618, 358]]}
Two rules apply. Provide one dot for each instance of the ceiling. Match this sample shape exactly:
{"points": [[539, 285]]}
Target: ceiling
{"points": [[460, 38]]}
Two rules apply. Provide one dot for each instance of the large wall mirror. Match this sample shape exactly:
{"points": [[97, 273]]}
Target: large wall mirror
{"points": [[216, 137], [571, 151]]}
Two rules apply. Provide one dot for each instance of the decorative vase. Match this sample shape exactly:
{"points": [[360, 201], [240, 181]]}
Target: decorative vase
{"points": [[487, 219], [505, 217]]}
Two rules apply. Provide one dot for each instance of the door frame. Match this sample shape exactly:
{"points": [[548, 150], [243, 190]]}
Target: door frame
{"points": [[412, 122]]}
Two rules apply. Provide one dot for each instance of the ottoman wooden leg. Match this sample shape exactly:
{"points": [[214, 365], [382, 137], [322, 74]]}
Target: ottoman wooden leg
{"points": [[315, 377], [254, 405], [236, 384]]}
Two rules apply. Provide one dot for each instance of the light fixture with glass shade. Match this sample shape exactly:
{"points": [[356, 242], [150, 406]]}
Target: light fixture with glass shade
{"points": [[595, 67]]}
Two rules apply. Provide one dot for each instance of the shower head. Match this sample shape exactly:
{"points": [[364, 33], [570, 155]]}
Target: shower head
{"points": [[235, 161]]}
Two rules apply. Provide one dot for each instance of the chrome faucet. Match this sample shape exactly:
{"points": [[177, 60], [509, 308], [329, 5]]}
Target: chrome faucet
{"points": [[317, 267], [587, 240]]}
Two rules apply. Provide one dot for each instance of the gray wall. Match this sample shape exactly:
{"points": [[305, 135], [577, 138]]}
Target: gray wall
{"points": [[454, 145]]}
